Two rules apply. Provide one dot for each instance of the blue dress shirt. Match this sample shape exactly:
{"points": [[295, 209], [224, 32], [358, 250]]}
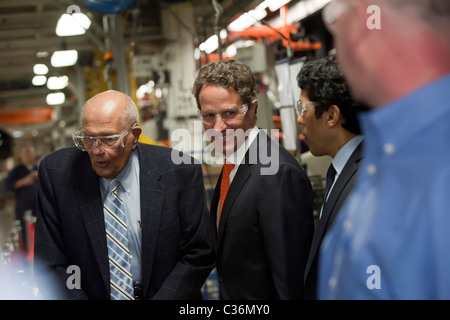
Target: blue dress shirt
{"points": [[391, 239], [129, 192]]}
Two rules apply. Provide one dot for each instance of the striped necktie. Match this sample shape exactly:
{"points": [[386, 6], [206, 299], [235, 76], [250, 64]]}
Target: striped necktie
{"points": [[121, 281]]}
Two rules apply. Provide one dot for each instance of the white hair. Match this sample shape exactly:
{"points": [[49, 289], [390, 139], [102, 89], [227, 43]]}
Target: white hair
{"points": [[131, 114]]}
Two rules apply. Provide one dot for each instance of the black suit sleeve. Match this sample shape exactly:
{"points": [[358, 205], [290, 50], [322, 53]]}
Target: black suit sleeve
{"points": [[285, 205], [196, 256], [50, 262]]}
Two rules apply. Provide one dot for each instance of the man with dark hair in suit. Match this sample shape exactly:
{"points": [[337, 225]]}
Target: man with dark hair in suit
{"points": [[265, 220], [159, 244], [328, 120]]}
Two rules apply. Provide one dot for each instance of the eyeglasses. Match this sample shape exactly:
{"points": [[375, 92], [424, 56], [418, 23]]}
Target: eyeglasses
{"points": [[107, 143], [332, 11], [302, 106], [228, 115]]}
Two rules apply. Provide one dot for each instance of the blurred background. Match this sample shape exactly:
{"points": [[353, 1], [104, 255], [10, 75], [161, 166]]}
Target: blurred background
{"points": [[56, 54]]}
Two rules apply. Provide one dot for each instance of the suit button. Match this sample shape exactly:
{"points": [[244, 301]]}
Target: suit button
{"points": [[220, 277]]}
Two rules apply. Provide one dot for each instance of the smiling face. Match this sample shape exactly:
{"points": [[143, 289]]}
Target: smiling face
{"points": [[216, 99], [102, 116]]}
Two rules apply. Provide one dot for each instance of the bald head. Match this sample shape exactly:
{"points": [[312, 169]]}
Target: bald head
{"points": [[111, 113], [110, 106]]}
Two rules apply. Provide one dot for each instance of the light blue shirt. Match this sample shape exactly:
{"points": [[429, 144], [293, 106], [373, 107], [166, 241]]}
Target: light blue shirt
{"points": [[391, 239], [129, 192]]}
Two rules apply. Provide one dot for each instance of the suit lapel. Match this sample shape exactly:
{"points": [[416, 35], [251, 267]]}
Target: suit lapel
{"points": [[252, 156], [328, 212], [242, 175], [152, 203], [215, 201], [91, 207], [350, 168]]}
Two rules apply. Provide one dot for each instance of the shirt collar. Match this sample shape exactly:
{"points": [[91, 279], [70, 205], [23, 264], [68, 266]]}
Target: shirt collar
{"points": [[341, 158]]}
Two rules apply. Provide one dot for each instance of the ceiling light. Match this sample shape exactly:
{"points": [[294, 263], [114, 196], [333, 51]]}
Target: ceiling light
{"points": [[57, 83], [248, 19], [55, 98], [39, 80], [273, 5], [18, 134], [210, 45], [42, 54], [40, 69], [72, 24], [64, 58]]}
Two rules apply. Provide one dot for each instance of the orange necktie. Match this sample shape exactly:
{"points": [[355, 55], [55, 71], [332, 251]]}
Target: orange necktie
{"points": [[224, 186]]}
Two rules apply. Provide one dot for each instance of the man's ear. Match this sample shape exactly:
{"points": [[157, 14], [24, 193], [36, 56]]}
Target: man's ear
{"points": [[136, 131], [333, 116], [253, 108], [254, 105]]}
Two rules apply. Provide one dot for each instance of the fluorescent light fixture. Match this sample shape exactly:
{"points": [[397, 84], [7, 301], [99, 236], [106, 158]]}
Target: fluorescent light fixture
{"points": [[231, 51], [248, 19], [223, 34], [64, 58], [55, 98], [18, 134], [40, 69], [210, 45], [39, 80], [42, 54], [57, 83], [273, 5], [72, 24]]}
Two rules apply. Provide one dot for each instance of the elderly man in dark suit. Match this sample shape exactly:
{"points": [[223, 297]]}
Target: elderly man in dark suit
{"points": [[121, 213], [328, 120], [265, 220]]}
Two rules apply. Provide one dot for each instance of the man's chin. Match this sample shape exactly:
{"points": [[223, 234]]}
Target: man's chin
{"points": [[102, 172]]}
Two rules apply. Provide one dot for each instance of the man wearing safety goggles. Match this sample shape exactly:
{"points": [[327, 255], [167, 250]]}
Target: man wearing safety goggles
{"points": [[132, 223]]}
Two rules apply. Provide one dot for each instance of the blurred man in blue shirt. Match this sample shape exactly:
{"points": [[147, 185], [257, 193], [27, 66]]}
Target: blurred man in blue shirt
{"points": [[391, 240]]}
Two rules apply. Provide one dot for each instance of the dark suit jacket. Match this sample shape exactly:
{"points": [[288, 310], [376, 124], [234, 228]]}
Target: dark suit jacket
{"points": [[266, 227], [342, 188], [177, 238]]}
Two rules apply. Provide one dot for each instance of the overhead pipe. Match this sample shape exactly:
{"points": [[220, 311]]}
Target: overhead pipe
{"points": [[218, 13]]}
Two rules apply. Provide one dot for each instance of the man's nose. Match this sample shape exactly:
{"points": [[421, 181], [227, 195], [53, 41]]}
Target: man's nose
{"points": [[97, 147], [219, 124]]}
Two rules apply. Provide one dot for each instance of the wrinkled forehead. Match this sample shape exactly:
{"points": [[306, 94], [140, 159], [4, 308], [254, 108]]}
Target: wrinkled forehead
{"points": [[103, 116]]}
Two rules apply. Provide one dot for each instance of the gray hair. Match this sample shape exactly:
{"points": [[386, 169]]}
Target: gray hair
{"points": [[131, 114]]}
